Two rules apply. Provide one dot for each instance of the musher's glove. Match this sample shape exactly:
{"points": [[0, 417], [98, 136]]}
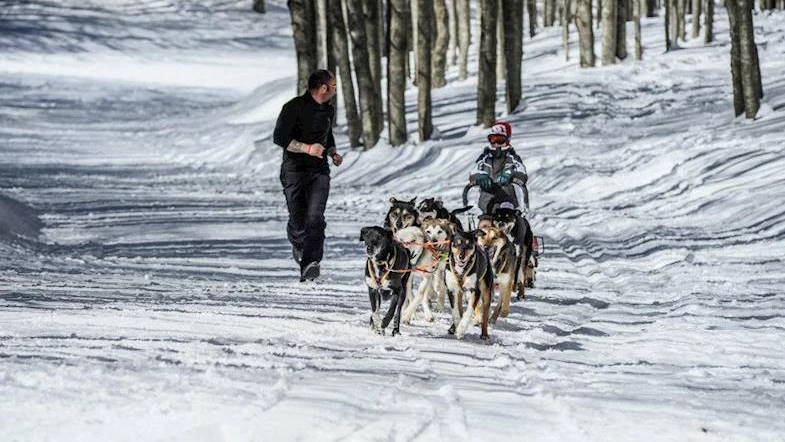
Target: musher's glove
{"points": [[504, 178], [484, 181]]}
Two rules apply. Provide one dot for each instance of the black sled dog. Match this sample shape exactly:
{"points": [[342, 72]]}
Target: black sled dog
{"points": [[386, 275]]}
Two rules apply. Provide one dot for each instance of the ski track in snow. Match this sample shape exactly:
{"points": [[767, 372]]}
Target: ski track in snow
{"points": [[160, 300]]}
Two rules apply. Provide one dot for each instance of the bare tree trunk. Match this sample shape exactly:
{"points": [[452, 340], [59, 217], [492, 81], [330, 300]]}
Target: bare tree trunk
{"points": [[735, 57], [621, 29], [340, 50], [440, 46], [531, 10], [549, 12], [486, 76], [585, 33], [415, 5], [304, 30], [651, 8], [681, 11], [362, 69], [708, 23], [512, 41], [750, 67], [609, 17], [424, 12], [382, 30], [600, 13], [464, 38], [320, 14], [258, 6], [637, 25], [372, 22], [674, 20], [452, 50], [500, 31], [396, 73], [567, 17], [696, 18]]}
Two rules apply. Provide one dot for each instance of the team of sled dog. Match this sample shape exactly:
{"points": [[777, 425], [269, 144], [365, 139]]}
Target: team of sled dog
{"points": [[428, 240]]}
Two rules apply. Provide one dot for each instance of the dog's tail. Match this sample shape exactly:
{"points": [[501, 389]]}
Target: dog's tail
{"points": [[461, 210]]}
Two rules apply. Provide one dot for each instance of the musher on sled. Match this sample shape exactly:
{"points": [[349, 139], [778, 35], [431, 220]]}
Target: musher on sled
{"points": [[499, 169]]}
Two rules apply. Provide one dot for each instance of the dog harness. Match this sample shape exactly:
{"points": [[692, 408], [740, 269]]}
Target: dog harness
{"points": [[472, 263], [384, 264]]}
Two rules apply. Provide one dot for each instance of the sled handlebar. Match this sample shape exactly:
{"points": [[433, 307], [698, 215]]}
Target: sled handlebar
{"points": [[465, 197]]}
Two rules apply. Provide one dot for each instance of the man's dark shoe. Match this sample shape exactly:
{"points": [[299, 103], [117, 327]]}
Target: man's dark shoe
{"points": [[297, 254], [310, 272]]}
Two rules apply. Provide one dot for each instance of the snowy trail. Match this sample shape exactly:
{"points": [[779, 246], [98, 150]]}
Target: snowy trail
{"points": [[160, 301]]}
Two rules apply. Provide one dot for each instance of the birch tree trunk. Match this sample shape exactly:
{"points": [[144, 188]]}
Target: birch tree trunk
{"points": [[531, 10], [440, 45], [424, 19], [621, 29], [304, 29], [396, 73], [340, 50], [708, 22], [512, 12], [362, 69], [585, 33], [464, 37], [486, 76], [609, 16], [637, 25]]}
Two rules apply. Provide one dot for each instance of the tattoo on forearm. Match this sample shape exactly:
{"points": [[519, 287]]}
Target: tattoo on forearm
{"points": [[296, 146]]}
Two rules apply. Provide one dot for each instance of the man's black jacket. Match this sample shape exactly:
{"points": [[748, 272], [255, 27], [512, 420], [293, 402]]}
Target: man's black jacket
{"points": [[305, 120]]}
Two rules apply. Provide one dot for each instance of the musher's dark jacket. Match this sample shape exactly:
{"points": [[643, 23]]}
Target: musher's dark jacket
{"points": [[303, 119]]}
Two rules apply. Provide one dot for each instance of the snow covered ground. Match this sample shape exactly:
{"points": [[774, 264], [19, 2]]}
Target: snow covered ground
{"points": [[147, 290]]}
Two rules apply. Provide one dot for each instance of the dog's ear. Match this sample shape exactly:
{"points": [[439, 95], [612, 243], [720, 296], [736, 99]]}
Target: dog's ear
{"points": [[393, 201], [518, 212], [413, 200], [362, 233]]}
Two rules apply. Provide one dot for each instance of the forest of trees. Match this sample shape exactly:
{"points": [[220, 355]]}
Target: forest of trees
{"points": [[413, 42]]}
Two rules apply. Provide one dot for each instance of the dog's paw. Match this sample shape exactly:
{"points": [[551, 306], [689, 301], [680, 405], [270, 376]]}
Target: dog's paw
{"points": [[396, 332], [484, 337]]}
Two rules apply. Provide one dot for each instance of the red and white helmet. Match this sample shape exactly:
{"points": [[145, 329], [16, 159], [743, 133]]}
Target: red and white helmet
{"points": [[498, 130]]}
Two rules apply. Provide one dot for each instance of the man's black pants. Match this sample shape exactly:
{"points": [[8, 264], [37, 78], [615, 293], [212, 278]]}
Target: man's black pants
{"points": [[306, 197]]}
